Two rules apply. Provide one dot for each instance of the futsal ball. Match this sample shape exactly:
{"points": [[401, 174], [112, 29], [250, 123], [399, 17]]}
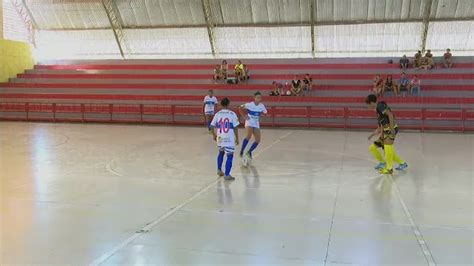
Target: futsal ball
{"points": [[246, 160]]}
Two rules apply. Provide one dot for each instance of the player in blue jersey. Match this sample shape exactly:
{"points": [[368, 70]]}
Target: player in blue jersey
{"points": [[225, 132], [252, 112]]}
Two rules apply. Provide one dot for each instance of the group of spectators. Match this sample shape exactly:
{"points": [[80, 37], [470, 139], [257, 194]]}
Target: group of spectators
{"points": [[403, 86], [426, 62], [298, 87], [241, 72]]}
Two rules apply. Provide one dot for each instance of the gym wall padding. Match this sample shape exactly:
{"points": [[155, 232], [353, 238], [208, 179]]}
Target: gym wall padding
{"points": [[15, 58]]}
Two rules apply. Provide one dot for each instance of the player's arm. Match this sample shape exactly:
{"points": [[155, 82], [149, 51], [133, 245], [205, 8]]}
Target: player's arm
{"points": [[213, 128], [376, 132], [243, 111], [236, 130], [236, 133], [391, 120]]}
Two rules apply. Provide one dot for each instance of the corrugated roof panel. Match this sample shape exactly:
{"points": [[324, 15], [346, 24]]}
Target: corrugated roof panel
{"points": [[51, 14], [236, 12]]}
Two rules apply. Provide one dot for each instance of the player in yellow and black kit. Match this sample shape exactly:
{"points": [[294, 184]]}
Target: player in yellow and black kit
{"points": [[387, 130]]}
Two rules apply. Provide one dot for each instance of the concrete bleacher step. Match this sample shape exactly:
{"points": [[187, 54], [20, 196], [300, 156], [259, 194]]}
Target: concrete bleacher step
{"points": [[125, 85], [291, 72]]}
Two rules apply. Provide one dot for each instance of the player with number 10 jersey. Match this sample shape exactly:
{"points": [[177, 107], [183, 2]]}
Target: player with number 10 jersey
{"points": [[224, 130]]}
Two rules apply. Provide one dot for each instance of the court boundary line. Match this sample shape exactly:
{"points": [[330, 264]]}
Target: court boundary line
{"points": [[145, 229], [335, 201], [415, 228]]}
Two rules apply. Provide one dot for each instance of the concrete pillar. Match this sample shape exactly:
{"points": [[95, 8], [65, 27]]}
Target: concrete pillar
{"points": [[1, 20]]}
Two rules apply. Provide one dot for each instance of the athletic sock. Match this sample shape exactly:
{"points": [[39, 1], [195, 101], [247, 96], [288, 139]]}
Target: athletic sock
{"points": [[389, 156], [228, 164], [397, 158], [220, 160], [253, 147], [375, 152], [244, 145]]}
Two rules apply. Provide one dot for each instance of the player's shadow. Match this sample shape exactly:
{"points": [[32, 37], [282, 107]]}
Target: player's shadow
{"points": [[251, 177], [224, 193], [381, 191]]}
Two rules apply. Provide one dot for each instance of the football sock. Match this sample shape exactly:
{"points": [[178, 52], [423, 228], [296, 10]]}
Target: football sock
{"points": [[244, 145], [253, 147], [228, 163], [397, 158], [220, 160], [375, 152], [389, 151]]}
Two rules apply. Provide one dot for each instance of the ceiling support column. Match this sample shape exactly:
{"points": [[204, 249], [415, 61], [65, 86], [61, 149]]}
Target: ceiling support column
{"points": [[115, 24], [25, 14], [206, 8], [312, 15], [425, 25]]}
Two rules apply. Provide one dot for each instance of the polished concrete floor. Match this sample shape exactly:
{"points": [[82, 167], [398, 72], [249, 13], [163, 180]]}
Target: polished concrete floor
{"points": [[120, 194]]}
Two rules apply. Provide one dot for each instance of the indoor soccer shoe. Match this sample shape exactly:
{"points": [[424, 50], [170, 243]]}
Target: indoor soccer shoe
{"points": [[220, 173], [249, 155], [229, 178], [402, 166], [386, 171], [380, 166]]}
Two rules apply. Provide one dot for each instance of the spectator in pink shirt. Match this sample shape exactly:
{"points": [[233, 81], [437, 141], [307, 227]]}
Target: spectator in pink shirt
{"points": [[448, 63], [415, 86]]}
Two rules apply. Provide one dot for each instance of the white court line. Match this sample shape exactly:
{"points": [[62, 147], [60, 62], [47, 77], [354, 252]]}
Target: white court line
{"points": [[416, 230], [152, 224]]}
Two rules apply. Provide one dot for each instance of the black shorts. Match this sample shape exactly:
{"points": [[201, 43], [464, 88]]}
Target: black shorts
{"points": [[387, 134]]}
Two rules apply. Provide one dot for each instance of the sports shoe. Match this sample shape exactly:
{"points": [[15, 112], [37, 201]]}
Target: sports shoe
{"points": [[380, 166], [402, 166], [229, 178], [220, 173], [386, 171], [249, 155]]}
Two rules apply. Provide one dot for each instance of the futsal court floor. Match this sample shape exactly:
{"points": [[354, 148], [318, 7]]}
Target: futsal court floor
{"points": [[132, 195]]}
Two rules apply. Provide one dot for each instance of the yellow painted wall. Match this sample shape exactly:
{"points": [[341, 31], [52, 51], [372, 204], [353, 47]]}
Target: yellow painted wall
{"points": [[15, 58]]}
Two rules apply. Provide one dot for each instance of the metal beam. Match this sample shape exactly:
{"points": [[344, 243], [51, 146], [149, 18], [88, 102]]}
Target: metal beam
{"points": [[425, 25], [116, 25], [312, 4], [210, 24], [25, 14], [288, 24]]}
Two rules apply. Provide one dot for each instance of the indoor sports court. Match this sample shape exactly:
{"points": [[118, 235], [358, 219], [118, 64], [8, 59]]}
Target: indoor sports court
{"points": [[225, 132]]}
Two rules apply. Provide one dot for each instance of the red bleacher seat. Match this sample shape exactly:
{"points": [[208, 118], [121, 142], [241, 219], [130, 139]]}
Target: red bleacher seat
{"points": [[443, 115]]}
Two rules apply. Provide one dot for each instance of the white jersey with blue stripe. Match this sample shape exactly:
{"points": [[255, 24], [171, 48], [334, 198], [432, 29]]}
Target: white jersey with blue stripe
{"points": [[254, 112], [224, 122], [209, 104]]}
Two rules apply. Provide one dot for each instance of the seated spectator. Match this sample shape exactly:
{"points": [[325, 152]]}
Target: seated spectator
{"points": [[378, 85], [217, 73], [448, 63], [428, 54], [403, 84], [415, 86], [417, 61], [307, 84], [239, 71], [404, 62], [390, 86], [245, 73], [224, 68], [277, 89], [426, 63], [296, 86]]}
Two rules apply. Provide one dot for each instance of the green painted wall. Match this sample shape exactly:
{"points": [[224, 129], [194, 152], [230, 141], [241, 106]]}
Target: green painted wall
{"points": [[15, 58]]}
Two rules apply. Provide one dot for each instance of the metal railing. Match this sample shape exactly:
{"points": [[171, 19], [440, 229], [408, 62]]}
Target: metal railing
{"points": [[279, 116]]}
